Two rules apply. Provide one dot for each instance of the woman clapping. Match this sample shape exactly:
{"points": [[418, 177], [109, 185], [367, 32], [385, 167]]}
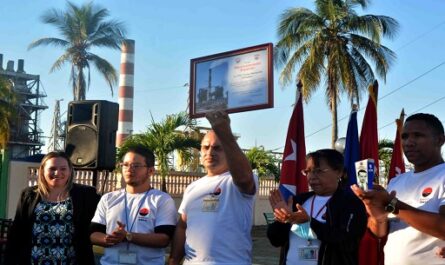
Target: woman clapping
{"points": [[323, 226]]}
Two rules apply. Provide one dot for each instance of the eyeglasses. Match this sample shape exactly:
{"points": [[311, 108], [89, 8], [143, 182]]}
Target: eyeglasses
{"points": [[316, 171], [132, 165]]}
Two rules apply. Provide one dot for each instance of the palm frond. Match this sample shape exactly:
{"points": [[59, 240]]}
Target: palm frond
{"points": [[49, 41], [83, 28], [60, 62], [165, 137], [106, 69], [333, 44], [8, 99], [382, 56]]}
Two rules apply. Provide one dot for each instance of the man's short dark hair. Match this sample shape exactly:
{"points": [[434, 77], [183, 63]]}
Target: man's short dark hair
{"points": [[431, 121], [145, 152]]}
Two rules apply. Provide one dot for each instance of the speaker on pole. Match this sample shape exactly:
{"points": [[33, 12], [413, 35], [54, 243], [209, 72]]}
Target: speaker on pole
{"points": [[91, 134]]}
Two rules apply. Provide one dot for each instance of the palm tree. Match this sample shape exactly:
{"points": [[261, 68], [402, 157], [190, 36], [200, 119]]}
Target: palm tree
{"points": [[7, 109], [263, 162], [385, 153], [163, 138], [333, 44], [83, 28]]}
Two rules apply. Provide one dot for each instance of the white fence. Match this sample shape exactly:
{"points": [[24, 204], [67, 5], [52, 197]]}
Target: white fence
{"points": [[176, 182], [22, 174]]}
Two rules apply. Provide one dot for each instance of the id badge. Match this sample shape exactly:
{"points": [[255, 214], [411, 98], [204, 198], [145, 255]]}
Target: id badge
{"points": [[308, 253], [127, 257], [210, 204]]}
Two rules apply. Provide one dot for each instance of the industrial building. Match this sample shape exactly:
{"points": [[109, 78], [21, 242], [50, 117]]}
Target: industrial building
{"points": [[26, 136]]}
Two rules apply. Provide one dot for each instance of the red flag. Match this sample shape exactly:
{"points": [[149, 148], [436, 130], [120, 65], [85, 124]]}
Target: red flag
{"points": [[371, 247], [292, 181], [369, 143], [397, 163]]}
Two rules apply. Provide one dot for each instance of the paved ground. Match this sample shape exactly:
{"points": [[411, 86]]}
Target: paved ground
{"points": [[263, 252]]}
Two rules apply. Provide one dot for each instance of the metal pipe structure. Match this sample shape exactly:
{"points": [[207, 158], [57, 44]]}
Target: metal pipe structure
{"points": [[126, 92]]}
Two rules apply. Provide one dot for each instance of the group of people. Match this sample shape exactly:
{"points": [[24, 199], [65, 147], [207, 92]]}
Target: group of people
{"points": [[57, 221], [325, 225]]}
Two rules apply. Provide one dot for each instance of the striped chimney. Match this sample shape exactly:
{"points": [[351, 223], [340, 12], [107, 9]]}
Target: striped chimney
{"points": [[126, 91]]}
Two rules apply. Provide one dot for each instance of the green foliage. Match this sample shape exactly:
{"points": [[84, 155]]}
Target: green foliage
{"points": [[163, 138], [385, 153], [83, 28], [264, 162], [7, 109], [333, 44]]}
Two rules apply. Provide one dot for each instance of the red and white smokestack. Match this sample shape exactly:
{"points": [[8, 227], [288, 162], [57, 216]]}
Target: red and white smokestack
{"points": [[126, 91]]}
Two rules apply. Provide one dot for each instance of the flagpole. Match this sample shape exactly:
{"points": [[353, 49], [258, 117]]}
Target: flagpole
{"points": [[298, 92], [397, 165]]}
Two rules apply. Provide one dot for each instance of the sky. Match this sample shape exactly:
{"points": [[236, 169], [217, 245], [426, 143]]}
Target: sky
{"points": [[168, 34]]}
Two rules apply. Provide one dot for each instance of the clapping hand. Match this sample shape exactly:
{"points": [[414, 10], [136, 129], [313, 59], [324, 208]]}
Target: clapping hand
{"points": [[117, 236], [300, 216], [283, 210]]}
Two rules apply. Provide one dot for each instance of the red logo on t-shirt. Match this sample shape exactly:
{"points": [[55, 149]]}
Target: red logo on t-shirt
{"points": [[427, 191], [144, 211], [217, 191]]}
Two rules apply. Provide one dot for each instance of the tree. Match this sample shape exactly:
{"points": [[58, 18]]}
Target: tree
{"points": [[163, 138], [263, 162], [385, 153], [333, 44], [83, 28], [7, 109]]}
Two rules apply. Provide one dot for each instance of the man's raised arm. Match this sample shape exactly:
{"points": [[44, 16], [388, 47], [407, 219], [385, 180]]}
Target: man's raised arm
{"points": [[237, 161]]}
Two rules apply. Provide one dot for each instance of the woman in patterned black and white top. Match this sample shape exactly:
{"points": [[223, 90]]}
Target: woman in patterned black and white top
{"points": [[52, 218]]}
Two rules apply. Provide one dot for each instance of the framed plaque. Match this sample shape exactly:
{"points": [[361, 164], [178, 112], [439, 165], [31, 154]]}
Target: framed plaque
{"points": [[234, 81]]}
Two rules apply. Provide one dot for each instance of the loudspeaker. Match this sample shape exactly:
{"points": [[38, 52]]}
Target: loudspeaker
{"points": [[91, 134]]}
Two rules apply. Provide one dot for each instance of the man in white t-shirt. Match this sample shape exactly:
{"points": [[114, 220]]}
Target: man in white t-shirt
{"points": [[217, 210], [136, 223], [412, 212]]}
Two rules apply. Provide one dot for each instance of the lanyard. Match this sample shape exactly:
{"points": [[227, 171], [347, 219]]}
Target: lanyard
{"points": [[126, 211], [312, 208]]}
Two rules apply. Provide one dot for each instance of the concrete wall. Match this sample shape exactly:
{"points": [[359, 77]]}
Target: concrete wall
{"points": [[18, 180], [262, 205]]}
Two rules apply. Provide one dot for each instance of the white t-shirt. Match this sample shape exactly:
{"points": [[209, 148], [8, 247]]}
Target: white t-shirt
{"points": [[219, 222], [423, 190], [157, 209], [298, 247]]}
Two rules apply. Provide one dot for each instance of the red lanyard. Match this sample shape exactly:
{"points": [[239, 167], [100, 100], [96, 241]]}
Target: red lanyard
{"points": [[312, 208]]}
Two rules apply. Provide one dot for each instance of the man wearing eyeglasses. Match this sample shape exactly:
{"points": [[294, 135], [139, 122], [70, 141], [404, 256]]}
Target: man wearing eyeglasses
{"points": [[136, 223], [216, 211]]}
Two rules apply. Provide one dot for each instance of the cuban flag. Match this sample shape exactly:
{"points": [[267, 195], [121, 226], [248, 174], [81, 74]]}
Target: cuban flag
{"points": [[292, 181]]}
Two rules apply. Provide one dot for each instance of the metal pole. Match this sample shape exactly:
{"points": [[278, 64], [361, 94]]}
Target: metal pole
{"points": [[4, 173]]}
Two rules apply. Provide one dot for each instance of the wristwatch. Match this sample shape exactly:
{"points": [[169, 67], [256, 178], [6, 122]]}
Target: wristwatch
{"points": [[391, 206], [129, 236]]}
